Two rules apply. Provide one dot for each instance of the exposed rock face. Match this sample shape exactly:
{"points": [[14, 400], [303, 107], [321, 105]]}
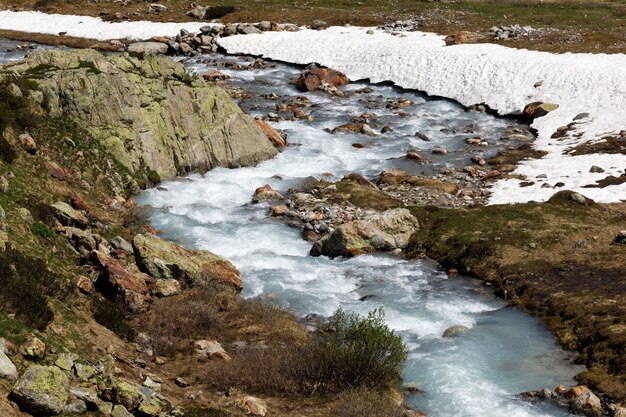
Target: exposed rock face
{"points": [[147, 112], [384, 231], [167, 260], [42, 390]]}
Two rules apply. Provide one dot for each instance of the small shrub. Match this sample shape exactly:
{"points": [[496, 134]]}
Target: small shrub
{"points": [[136, 218], [353, 352], [110, 316], [365, 403], [216, 12], [40, 229], [24, 282]]}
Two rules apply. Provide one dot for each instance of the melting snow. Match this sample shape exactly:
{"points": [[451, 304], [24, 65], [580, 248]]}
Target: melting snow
{"points": [[503, 78]]}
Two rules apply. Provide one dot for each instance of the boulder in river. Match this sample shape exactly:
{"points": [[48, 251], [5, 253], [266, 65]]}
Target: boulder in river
{"points": [[454, 331], [167, 260], [312, 79], [587, 404], [384, 231]]}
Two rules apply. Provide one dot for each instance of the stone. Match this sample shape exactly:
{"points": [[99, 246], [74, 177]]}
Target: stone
{"points": [[83, 371], [56, 170], [319, 25], [8, 370], [576, 391], [588, 404], [578, 198], [454, 331], [68, 216], [121, 392], [181, 382], [6, 347], [78, 203], [166, 260], [439, 150], [211, 349], [267, 195], [28, 143], [312, 79], [120, 411], [198, 12], [119, 242], [131, 288], [620, 412], [4, 185], [14, 90], [253, 406], [271, 133], [146, 111], [415, 156], [596, 169], [151, 407], [42, 390], [156, 8], [25, 214], [148, 48], [65, 361], [620, 239], [33, 348], [280, 210], [75, 406], [87, 395], [167, 288], [384, 231], [215, 75], [248, 30], [539, 109]]}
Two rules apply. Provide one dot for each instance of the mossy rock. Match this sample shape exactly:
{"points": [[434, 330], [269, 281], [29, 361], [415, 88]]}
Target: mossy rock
{"points": [[42, 390]]}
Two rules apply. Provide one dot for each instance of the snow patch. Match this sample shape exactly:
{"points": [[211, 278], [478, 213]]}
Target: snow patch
{"points": [[90, 27], [503, 78]]}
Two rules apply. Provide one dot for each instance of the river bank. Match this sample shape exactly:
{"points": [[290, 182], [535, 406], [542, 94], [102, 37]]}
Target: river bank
{"points": [[434, 254]]}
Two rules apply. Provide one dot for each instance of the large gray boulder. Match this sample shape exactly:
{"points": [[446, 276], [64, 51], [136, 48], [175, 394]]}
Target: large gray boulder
{"points": [[587, 404], [166, 260], [42, 390], [147, 112], [384, 231]]}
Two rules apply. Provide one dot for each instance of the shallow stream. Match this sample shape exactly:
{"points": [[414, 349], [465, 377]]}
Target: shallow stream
{"points": [[478, 374]]}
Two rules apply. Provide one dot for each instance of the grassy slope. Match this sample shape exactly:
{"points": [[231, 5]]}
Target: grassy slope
{"points": [[600, 23]]}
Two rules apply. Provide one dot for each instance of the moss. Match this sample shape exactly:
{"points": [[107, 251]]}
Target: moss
{"points": [[366, 196], [41, 230], [13, 330]]}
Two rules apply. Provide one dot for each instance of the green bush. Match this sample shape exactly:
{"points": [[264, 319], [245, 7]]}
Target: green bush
{"points": [[110, 316], [40, 229], [353, 352], [24, 282]]}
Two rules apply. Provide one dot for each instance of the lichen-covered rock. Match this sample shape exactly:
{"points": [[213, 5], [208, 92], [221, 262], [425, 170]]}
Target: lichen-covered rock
{"points": [[65, 361], [149, 113], [42, 390], [454, 331], [120, 392], [33, 348], [384, 231], [167, 260], [68, 216]]}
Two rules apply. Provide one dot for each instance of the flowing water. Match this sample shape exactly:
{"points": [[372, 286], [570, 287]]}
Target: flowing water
{"points": [[478, 374]]}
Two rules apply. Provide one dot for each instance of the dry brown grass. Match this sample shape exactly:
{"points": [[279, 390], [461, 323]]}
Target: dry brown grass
{"points": [[365, 403], [174, 323]]}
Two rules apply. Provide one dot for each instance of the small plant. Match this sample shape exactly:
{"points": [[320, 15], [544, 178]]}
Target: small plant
{"points": [[40, 229], [110, 316], [353, 352]]}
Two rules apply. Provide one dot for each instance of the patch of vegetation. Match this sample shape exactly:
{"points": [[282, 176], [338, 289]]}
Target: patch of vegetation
{"points": [[354, 352], [366, 403], [216, 12], [135, 218], [207, 412], [24, 282], [110, 316], [365, 196], [350, 352], [40, 229], [13, 330]]}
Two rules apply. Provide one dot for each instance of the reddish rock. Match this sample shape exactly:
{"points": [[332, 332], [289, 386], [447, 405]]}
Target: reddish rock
{"points": [[132, 288], [312, 79], [414, 156], [28, 143], [56, 171], [215, 75], [576, 391], [85, 285], [271, 133], [79, 203]]}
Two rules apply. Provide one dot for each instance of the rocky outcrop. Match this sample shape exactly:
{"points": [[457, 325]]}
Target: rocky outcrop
{"points": [[42, 390], [148, 113], [384, 231], [167, 260]]}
